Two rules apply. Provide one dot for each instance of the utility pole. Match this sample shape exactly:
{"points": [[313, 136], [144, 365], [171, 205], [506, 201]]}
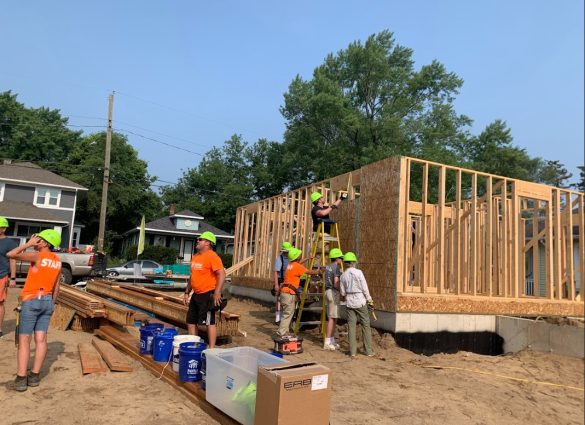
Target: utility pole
{"points": [[106, 181]]}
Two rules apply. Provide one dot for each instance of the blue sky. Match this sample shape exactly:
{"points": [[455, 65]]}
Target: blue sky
{"points": [[201, 71]]}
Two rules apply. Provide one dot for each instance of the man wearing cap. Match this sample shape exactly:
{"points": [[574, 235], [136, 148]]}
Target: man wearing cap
{"points": [[6, 266], [320, 213], [205, 283], [38, 296], [290, 288], [354, 288], [280, 265], [332, 275]]}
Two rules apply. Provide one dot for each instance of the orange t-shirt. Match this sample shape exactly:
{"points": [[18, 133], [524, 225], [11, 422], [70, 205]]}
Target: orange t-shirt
{"points": [[203, 268], [42, 275], [292, 276]]}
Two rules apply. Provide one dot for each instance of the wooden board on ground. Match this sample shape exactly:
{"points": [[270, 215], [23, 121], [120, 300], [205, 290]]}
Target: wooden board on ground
{"points": [[114, 359], [91, 361], [62, 317]]}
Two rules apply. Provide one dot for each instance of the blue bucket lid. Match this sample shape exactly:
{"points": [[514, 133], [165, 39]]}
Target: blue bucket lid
{"points": [[192, 347], [152, 326]]}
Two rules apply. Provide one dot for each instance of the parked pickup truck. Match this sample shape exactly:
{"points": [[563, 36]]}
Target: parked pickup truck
{"points": [[73, 266]]}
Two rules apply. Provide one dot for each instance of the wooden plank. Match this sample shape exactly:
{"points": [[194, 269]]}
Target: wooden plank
{"points": [[517, 262], [407, 243], [504, 238], [581, 202], [91, 361], [239, 265], [441, 231], [115, 360], [473, 230], [570, 265], [488, 232], [558, 278], [423, 256]]}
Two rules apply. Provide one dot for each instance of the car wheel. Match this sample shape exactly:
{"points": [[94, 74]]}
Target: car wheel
{"points": [[112, 273], [66, 276]]}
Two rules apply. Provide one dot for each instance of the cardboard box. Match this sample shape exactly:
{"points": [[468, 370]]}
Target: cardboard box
{"points": [[298, 393]]}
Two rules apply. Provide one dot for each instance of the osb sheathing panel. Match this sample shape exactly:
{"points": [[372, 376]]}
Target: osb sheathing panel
{"points": [[484, 305], [377, 234], [253, 282]]}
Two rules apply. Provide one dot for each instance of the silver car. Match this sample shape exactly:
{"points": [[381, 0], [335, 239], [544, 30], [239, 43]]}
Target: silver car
{"points": [[134, 268]]}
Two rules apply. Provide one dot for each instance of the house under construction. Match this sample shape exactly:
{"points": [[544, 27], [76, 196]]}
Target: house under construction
{"points": [[434, 239]]}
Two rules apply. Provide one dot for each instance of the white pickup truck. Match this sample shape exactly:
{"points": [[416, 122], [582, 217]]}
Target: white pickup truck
{"points": [[74, 266]]}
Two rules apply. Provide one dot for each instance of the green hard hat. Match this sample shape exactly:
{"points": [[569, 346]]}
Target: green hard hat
{"points": [[335, 253], [51, 236], [315, 196], [349, 257], [286, 246], [208, 236], [294, 253], [3, 222]]}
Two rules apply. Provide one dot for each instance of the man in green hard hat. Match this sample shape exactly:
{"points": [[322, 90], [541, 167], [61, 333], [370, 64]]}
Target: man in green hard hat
{"points": [[332, 298], [280, 265], [354, 288], [38, 296], [320, 212], [206, 279], [7, 267]]}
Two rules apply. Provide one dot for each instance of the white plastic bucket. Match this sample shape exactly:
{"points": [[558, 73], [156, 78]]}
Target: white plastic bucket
{"points": [[177, 340]]}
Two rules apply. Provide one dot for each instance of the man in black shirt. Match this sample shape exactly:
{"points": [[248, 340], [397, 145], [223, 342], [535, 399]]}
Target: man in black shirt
{"points": [[320, 213]]}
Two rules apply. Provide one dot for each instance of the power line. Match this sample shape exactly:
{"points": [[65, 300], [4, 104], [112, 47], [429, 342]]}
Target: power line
{"points": [[158, 141]]}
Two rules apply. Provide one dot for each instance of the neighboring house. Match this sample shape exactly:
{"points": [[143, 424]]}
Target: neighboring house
{"points": [[34, 199], [179, 231]]}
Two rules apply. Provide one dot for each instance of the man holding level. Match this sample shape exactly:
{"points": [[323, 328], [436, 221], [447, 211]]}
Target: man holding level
{"points": [[206, 280]]}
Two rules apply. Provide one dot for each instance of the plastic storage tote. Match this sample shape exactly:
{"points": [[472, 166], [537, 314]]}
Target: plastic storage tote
{"points": [[231, 380]]}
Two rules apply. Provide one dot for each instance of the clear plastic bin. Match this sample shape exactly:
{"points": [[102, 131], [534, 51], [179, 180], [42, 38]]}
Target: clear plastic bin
{"points": [[231, 380]]}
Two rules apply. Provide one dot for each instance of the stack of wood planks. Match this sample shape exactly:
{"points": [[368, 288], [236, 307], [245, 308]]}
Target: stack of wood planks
{"points": [[161, 304]]}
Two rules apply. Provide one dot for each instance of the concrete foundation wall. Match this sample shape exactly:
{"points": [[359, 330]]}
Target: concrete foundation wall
{"points": [[520, 334]]}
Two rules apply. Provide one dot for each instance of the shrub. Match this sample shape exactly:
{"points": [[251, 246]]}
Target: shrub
{"points": [[158, 253]]}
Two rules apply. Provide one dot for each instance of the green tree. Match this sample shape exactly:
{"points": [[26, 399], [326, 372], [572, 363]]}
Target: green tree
{"points": [[38, 135], [217, 186], [129, 192], [553, 173], [365, 103], [580, 186]]}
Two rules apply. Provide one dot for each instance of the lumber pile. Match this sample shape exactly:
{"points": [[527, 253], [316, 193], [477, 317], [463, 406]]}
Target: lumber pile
{"points": [[161, 304], [129, 344], [90, 306], [101, 356]]}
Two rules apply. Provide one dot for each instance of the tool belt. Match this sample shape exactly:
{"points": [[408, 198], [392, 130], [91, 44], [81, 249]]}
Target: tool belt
{"points": [[289, 286]]}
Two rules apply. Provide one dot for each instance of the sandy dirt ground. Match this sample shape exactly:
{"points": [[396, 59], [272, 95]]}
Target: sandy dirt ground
{"points": [[399, 390]]}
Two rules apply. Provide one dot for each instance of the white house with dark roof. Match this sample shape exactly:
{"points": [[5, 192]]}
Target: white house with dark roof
{"points": [[180, 231], [34, 199]]}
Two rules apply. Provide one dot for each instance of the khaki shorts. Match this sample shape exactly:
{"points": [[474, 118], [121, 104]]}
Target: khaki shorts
{"points": [[332, 298]]}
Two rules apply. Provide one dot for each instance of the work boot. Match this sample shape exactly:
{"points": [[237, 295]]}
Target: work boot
{"points": [[20, 383], [34, 379]]}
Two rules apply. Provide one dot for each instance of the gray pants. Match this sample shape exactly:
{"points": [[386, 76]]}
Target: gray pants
{"points": [[287, 309], [362, 316]]}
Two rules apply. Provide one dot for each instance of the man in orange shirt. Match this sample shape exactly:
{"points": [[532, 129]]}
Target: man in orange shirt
{"points": [[290, 287], [206, 281], [38, 296]]}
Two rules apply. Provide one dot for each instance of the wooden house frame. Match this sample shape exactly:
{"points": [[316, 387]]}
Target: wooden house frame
{"points": [[434, 238]]}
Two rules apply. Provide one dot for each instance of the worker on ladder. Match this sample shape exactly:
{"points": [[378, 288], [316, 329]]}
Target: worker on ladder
{"points": [[332, 297], [320, 212], [290, 289]]}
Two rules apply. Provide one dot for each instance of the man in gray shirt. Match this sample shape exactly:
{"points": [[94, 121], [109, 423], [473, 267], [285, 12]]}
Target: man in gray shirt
{"points": [[6, 266], [332, 275]]}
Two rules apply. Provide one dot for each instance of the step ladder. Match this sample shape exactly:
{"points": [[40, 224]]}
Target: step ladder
{"points": [[314, 290]]}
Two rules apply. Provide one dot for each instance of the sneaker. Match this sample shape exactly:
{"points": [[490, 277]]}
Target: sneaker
{"points": [[329, 347], [337, 346], [20, 384], [34, 379]]}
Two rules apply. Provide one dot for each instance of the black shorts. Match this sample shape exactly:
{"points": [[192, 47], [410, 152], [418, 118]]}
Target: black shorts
{"points": [[201, 310]]}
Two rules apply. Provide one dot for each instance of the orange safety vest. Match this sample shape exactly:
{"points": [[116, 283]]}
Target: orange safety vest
{"points": [[41, 276]]}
